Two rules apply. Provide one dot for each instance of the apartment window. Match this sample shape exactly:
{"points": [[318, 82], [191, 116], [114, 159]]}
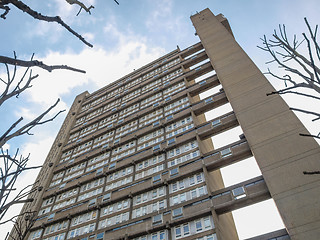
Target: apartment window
{"points": [[216, 122], [35, 234], [112, 165], [174, 172], [169, 117], [198, 225], [186, 229], [203, 82], [156, 178], [182, 231], [208, 100], [81, 230], [92, 202], [157, 219], [208, 237], [226, 152], [99, 171], [83, 218], [177, 212], [178, 232], [106, 197], [207, 222], [100, 236], [156, 147], [51, 216], [238, 192], [171, 141]]}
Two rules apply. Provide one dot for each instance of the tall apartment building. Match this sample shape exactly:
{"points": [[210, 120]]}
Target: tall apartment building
{"points": [[135, 159]]}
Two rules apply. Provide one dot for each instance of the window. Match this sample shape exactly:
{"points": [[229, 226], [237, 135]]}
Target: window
{"points": [[99, 171], [203, 82], [225, 152], [186, 229], [177, 212], [216, 122], [100, 236], [207, 222], [239, 192], [106, 197], [171, 141], [198, 225], [208, 100], [156, 178], [83, 218], [156, 147], [174, 172], [35, 234], [51, 216], [157, 219], [112, 165], [182, 230], [178, 232], [92, 202]]}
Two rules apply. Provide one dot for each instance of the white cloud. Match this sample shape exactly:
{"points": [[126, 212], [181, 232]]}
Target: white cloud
{"points": [[101, 66], [26, 113]]}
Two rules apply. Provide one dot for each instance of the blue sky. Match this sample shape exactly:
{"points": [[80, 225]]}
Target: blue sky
{"points": [[125, 37]]}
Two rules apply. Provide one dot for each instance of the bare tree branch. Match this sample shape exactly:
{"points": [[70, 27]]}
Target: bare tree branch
{"points": [[36, 63], [302, 76], [36, 15], [27, 127], [82, 6], [22, 224], [305, 111]]}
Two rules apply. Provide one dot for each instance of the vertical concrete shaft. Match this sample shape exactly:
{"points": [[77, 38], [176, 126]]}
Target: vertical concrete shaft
{"points": [[271, 129]]}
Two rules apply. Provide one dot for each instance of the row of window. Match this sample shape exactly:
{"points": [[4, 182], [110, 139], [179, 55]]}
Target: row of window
{"points": [[81, 230], [134, 94], [193, 227], [154, 207], [121, 152], [145, 197], [184, 230], [127, 171], [108, 137], [121, 174], [123, 113], [113, 220], [130, 84]]}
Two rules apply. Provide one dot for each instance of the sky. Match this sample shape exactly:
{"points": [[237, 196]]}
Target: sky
{"points": [[126, 37]]}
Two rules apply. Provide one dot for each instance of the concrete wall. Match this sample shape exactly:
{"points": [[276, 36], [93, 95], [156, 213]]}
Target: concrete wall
{"points": [[271, 129]]}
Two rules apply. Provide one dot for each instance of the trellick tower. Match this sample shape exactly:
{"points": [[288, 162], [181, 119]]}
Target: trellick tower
{"points": [[135, 160]]}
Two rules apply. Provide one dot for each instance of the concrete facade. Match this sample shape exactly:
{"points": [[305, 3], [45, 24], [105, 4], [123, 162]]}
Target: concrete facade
{"points": [[271, 129], [135, 160]]}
